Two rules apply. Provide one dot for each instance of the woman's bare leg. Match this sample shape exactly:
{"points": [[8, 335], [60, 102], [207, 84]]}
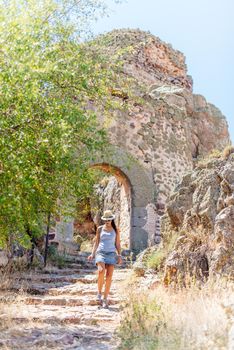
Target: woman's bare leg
{"points": [[109, 274], [101, 275]]}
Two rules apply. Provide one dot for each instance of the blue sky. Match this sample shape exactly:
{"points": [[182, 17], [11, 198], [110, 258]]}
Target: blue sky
{"points": [[202, 29]]}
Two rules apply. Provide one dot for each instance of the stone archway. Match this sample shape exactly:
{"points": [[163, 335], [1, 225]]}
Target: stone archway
{"points": [[139, 188], [117, 196], [140, 192]]}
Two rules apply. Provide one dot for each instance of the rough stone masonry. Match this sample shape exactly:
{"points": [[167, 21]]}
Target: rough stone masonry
{"points": [[162, 129]]}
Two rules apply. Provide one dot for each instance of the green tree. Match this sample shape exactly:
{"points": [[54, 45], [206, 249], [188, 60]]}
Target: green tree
{"points": [[49, 83]]}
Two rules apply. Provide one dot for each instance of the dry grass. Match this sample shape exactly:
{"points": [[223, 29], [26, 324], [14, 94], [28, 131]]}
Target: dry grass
{"points": [[157, 258], [10, 307], [86, 245], [216, 154], [191, 318], [12, 301], [227, 151]]}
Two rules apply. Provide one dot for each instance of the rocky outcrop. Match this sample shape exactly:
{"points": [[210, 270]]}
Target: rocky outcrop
{"points": [[162, 124], [201, 213]]}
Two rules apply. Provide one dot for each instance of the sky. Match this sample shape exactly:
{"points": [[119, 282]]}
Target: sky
{"points": [[202, 29]]}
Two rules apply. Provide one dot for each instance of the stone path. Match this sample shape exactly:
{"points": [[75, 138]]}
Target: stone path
{"points": [[56, 309]]}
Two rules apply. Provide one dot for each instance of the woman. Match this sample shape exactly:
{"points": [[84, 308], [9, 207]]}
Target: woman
{"points": [[106, 243]]}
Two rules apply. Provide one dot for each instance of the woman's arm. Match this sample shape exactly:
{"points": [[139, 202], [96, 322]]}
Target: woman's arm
{"points": [[118, 247], [117, 242]]}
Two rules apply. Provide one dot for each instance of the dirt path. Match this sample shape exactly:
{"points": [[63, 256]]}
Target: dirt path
{"points": [[57, 309]]}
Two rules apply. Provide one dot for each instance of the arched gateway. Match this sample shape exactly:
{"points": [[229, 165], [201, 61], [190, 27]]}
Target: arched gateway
{"points": [[140, 192], [139, 189]]}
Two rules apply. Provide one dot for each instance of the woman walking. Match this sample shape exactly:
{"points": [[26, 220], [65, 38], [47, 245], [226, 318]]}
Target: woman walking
{"points": [[107, 242]]}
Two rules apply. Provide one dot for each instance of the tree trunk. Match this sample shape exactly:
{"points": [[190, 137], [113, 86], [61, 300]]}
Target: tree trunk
{"points": [[47, 239], [31, 251]]}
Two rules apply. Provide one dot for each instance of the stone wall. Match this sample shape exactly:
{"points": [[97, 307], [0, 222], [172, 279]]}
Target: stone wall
{"points": [[160, 125]]}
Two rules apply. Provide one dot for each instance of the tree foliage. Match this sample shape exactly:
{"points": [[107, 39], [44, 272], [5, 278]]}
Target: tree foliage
{"points": [[49, 82]]}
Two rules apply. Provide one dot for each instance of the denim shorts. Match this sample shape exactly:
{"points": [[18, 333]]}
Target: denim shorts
{"points": [[109, 258]]}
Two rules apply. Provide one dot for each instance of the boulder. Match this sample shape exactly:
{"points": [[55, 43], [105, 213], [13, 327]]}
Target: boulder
{"points": [[201, 210]]}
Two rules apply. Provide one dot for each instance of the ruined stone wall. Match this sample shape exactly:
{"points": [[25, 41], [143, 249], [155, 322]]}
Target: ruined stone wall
{"points": [[159, 124], [163, 124], [146, 57]]}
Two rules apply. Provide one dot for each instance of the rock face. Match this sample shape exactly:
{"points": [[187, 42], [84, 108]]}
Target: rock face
{"points": [[163, 126], [201, 211], [169, 126]]}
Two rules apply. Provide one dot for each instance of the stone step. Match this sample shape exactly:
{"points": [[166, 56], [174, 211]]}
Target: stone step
{"points": [[82, 337], [77, 290], [79, 254], [54, 314], [63, 300], [84, 262], [38, 289], [78, 337], [69, 320], [76, 258], [41, 284], [77, 266], [51, 292], [59, 279], [119, 275], [67, 300], [67, 271]]}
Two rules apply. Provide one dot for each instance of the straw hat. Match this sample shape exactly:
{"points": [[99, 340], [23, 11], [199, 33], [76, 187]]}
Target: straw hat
{"points": [[108, 215]]}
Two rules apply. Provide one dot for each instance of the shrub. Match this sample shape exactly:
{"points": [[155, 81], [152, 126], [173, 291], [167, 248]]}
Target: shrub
{"points": [[85, 241], [143, 320], [55, 257], [156, 259]]}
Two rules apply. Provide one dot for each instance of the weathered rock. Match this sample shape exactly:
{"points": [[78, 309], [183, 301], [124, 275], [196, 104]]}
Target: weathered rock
{"points": [[202, 212], [139, 269], [222, 259]]}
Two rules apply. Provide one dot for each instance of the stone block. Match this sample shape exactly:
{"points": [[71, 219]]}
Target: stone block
{"points": [[138, 221], [139, 216], [157, 239], [139, 239], [139, 212]]}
